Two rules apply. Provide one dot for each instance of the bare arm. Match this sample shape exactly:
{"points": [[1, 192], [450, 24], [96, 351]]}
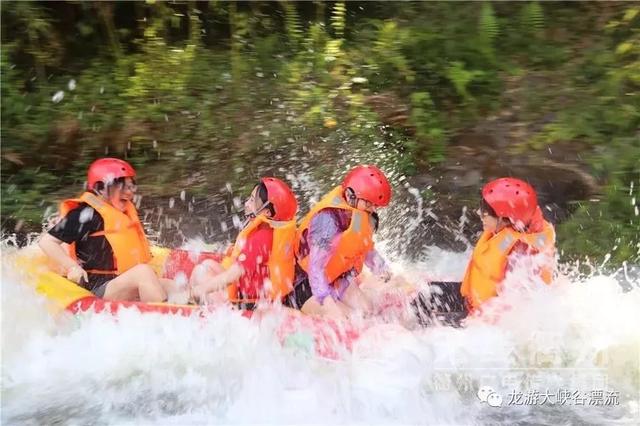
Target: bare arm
{"points": [[219, 281], [376, 263], [52, 247]]}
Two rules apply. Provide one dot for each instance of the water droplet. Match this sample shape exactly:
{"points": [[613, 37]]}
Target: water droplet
{"points": [[237, 202], [236, 221], [72, 85], [59, 95]]}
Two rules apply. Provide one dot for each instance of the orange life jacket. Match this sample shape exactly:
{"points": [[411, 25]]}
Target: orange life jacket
{"points": [[488, 263], [123, 231], [354, 243], [281, 258]]}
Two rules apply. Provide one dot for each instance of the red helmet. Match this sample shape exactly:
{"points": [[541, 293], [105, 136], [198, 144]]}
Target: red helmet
{"points": [[370, 184], [511, 198], [107, 170], [281, 198]]}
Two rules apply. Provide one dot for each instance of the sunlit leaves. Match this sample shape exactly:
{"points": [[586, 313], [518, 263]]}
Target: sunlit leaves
{"points": [[487, 28]]}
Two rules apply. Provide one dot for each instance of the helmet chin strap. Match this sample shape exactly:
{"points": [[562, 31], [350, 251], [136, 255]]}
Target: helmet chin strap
{"points": [[517, 225], [350, 196], [252, 215], [103, 193], [520, 226]]}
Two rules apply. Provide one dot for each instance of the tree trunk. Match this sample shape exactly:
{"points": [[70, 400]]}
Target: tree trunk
{"points": [[105, 11]]}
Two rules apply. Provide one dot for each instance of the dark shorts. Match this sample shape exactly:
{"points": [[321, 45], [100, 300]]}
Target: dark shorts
{"points": [[245, 306], [98, 284], [444, 305], [99, 291], [300, 294]]}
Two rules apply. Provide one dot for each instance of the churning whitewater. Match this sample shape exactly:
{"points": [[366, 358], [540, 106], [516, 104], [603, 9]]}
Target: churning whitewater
{"points": [[577, 337]]}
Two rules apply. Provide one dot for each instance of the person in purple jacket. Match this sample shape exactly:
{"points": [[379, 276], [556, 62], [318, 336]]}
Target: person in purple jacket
{"points": [[335, 241]]}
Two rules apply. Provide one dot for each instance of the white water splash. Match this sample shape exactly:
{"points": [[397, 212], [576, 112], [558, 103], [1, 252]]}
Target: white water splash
{"points": [[155, 369], [57, 97]]}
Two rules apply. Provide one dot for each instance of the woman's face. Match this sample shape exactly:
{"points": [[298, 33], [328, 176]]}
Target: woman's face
{"points": [[491, 223], [119, 195], [253, 203], [366, 206]]}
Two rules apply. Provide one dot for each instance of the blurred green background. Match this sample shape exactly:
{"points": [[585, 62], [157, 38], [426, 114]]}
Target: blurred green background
{"points": [[447, 95]]}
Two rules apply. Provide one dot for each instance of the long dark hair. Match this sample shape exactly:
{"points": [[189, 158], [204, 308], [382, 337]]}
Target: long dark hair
{"points": [[116, 183], [263, 195], [486, 208]]}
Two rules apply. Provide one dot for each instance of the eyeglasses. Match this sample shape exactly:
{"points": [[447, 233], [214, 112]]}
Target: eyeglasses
{"points": [[367, 204], [130, 187], [482, 213]]}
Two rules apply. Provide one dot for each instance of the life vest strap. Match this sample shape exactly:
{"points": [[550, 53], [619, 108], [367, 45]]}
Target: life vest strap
{"points": [[245, 305], [241, 300]]}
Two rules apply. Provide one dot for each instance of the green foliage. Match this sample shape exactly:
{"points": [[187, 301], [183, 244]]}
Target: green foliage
{"points": [[153, 86], [610, 120], [606, 227], [186, 88], [292, 26], [338, 19], [532, 19], [40, 42], [461, 78], [387, 57], [239, 22], [427, 122], [488, 30]]}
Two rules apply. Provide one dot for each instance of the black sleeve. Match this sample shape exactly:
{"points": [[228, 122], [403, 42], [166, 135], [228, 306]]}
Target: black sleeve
{"points": [[77, 224]]}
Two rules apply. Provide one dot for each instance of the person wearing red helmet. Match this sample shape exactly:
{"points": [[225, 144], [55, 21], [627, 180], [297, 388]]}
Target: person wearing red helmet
{"points": [[513, 230], [335, 241], [108, 252], [513, 226], [261, 263]]}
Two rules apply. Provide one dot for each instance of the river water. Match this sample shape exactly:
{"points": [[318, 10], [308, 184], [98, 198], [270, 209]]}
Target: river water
{"points": [[568, 353], [565, 354]]}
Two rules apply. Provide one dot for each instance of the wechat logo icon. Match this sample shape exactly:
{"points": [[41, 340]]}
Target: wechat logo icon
{"points": [[486, 394]]}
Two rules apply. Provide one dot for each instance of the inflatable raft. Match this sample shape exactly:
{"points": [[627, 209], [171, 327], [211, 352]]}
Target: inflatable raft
{"points": [[324, 338]]}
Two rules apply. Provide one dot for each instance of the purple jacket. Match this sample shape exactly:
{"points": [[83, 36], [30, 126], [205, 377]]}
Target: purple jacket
{"points": [[322, 239]]}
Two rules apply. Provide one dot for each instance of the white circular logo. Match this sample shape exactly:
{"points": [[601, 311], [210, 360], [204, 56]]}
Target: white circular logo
{"points": [[494, 400], [484, 392]]}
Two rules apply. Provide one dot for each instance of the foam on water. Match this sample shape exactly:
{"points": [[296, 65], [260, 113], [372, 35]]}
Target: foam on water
{"points": [[580, 335]]}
